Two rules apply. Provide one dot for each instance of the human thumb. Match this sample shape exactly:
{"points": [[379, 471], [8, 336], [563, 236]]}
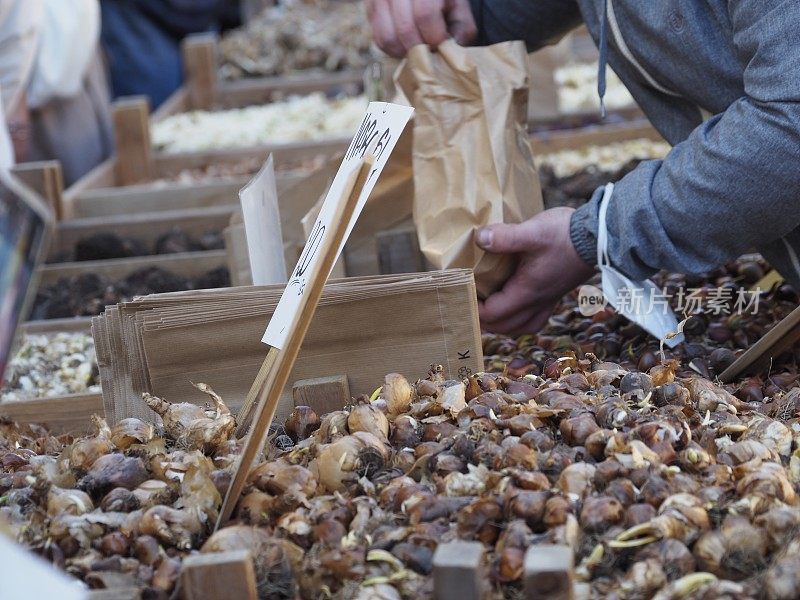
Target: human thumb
{"points": [[504, 238]]}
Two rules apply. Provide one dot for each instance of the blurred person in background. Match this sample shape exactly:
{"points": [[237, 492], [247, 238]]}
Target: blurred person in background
{"points": [[52, 83], [142, 41]]}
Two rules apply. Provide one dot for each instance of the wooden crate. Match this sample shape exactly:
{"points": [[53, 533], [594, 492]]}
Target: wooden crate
{"points": [[63, 414], [186, 264], [133, 179], [72, 413], [547, 142], [204, 90], [144, 227]]}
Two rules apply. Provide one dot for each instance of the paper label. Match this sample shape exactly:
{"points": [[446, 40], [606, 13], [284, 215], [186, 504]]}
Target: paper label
{"points": [[262, 226], [378, 133], [25, 575]]}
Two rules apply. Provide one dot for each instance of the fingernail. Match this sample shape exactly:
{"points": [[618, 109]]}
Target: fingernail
{"points": [[485, 237]]}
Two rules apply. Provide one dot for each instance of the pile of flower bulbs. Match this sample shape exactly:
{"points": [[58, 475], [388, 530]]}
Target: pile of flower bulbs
{"points": [[663, 483], [577, 89], [311, 117], [608, 157], [51, 365], [570, 177], [713, 341], [298, 37]]}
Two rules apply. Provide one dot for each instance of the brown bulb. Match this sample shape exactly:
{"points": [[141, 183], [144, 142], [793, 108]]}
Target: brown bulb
{"points": [[480, 520], [530, 480], [596, 443], [510, 565], [367, 417], [623, 490], [655, 491], [405, 432], [639, 513], [555, 511], [575, 430], [114, 543], [521, 456], [415, 556], [538, 440], [330, 532], [527, 505], [146, 549], [600, 513], [119, 500], [301, 423]]}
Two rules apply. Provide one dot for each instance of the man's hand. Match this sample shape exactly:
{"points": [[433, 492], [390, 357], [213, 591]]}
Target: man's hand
{"points": [[548, 268], [398, 25]]}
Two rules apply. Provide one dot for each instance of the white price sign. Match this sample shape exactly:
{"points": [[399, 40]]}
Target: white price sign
{"points": [[378, 134]]}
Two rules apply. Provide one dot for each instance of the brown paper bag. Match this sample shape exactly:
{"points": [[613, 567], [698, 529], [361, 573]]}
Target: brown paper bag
{"points": [[473, 163]]}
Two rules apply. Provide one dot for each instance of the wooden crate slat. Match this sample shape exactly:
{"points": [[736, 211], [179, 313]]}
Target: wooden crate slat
{"points": [[143, 227], [62, 414], [188, 264], [132, 146], [547, 142]]}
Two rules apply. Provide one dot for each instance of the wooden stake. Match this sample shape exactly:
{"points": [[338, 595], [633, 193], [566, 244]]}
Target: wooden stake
{"points": [[323, 394], [244, 417], [46, 179], [549, 573], [269, 392], [220, 576], [134, 159], [457, 571], [200, 69], [776, 341]]}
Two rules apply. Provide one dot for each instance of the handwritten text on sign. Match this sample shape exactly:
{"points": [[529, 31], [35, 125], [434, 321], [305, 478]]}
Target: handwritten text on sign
{"points": [[378, 134]]}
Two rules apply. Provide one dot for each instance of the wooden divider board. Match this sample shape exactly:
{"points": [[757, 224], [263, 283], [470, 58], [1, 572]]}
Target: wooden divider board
{"points": [[144, 227], [199, 53], [132, 145], [62, 414], [46, 179], [776, 341], [219, 576], [323, 394], [546, 142], [457, 571], [186, 264], [549, 573]]}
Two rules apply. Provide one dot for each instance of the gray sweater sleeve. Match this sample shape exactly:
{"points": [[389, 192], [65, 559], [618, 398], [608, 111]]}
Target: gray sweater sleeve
{"points": [[734, 184], [536, 22]]}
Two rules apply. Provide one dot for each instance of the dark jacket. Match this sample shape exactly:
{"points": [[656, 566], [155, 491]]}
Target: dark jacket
{"points": [[142, 39], [732, 181]]}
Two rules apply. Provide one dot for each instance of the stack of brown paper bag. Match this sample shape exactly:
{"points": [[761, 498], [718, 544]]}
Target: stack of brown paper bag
{"points": [[364, 328]]}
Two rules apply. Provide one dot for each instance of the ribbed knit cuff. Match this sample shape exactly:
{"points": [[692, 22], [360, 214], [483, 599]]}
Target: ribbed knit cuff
{"points": [[583, 232]]}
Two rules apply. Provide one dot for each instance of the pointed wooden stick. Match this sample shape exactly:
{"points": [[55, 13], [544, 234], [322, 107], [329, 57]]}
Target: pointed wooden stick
{"points": [[269, 392]]}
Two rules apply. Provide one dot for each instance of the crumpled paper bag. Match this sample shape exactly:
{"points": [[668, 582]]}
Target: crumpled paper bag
{"points": [[472, 158]]}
